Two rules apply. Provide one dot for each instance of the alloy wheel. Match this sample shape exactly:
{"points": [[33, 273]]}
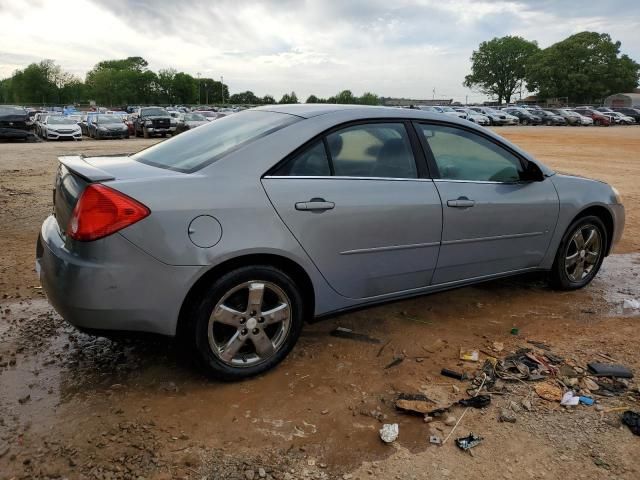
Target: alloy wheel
{"points": [[250, 323], [583, 252]]}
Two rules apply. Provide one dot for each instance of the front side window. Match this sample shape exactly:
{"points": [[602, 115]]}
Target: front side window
{"points": [[463, 155], [372, 150]]}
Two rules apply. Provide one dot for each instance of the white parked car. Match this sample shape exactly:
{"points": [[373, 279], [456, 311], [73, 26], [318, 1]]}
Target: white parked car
{"points": [[622, 119], [474, 117], [584, 120], [58, 127], [449, 111]]}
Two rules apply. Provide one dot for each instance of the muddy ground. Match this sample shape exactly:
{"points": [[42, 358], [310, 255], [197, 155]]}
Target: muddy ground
{"points": [[74, 406]]}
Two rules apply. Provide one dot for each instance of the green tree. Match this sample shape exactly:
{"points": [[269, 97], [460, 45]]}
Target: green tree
{"points": [[185, 88], [584, 67], [268, 100], [346, 97], [213, 91], [165, 87], [369, 98], [245, 98], [312, 99], [499, 66], [289, 98]]}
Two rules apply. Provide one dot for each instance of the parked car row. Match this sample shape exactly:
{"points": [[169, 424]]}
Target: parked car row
{"points": [[102, 124]]}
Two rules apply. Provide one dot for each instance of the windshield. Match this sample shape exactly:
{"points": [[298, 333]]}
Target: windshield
{"points": [[208, 114], [491, 110], [154, 112], [194, 117], [60, 121], [197, 148], [447, 109], [108, 119]]}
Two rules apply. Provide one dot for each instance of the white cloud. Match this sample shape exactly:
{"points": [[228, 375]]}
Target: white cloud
{"points": [[401, 48]]}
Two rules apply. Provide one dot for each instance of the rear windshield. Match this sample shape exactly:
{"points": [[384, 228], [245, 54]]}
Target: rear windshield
{"points": [[197, 148]]}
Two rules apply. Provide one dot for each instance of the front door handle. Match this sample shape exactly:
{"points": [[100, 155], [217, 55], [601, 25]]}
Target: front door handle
{"points": [[462, 202], [315, 204]]}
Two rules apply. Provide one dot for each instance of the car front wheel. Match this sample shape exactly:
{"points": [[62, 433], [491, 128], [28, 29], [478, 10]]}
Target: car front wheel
{"points": [[580, 254], [246, 322]]}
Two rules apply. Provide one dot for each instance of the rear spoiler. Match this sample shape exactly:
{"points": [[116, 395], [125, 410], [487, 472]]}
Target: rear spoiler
{"points": [[78, 165]]}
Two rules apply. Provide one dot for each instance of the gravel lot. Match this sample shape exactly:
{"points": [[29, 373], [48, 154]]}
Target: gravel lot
{"points": [[74, 406]]}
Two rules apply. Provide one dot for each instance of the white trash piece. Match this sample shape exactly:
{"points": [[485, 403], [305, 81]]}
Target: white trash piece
{"points": [[630, 304], [389, 432], [570, 400]]}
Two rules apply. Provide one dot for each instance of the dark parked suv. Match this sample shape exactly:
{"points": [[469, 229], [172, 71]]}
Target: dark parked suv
{"points": [[14, 123], [152, 121]]}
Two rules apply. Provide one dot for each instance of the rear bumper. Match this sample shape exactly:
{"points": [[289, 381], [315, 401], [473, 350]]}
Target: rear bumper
{"points": [[110, 284]]}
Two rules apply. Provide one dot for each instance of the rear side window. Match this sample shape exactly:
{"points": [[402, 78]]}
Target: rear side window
{"points": [[194, 149], [312, 162], [370, 150]]}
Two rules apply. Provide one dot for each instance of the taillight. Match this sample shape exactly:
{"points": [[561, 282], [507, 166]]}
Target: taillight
{"points": [[101, 211]]}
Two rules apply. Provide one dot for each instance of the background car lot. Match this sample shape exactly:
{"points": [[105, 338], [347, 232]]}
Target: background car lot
{"points": [[76, 405]]}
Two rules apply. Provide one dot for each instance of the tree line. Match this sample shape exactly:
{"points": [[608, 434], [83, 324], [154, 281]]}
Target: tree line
{"points": [[129, 81], [583, 68]]}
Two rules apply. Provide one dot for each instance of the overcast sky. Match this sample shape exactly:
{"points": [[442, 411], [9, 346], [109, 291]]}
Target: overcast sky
{"points": [[393, 48]]}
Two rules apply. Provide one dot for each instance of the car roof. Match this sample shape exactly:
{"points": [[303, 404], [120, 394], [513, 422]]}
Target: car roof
{"points": [[356, 111]]}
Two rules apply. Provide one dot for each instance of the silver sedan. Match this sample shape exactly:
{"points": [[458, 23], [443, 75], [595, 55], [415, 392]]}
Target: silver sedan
{"points": [[234, 234]]}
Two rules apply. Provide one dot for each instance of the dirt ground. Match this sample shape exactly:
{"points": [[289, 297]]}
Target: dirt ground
{"points": [[75, 406]]}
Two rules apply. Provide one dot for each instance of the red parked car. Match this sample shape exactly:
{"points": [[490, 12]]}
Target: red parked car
{"points": [[599, 118]]}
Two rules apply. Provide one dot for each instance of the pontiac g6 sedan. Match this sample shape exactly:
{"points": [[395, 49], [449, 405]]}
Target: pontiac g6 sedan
{"points": [[232, 235]]}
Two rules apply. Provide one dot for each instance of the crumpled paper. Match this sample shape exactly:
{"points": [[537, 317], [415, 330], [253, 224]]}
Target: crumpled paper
{"points": [[389, 432]]}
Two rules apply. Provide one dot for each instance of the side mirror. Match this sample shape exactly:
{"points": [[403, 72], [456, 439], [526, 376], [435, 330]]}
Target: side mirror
{"points": [[532, 173]]}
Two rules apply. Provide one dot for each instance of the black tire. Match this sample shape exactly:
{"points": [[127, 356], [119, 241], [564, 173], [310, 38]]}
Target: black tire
{"points": [[524, 121], [596, 122], [560, 278], [549, 123], [198, 331], [145, 132]]}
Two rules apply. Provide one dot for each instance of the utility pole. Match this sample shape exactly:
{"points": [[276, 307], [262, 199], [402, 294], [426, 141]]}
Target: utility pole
{"points": [[222, 88], [466, 99], [206, 93], [199, 88]]}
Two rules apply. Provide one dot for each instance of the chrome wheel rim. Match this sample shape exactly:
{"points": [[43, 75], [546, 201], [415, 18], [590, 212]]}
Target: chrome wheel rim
{"points": [[583, 253], [249, 324]]}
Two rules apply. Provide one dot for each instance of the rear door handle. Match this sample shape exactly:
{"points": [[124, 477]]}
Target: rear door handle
{"points": [[315, 204], [461, 202]]}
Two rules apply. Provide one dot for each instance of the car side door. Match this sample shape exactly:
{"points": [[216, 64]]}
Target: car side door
{"points": [[499, 211], [359, 201]]}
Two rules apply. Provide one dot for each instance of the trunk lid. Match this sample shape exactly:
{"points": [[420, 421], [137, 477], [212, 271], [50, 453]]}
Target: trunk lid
{"points": [[76, 172]]}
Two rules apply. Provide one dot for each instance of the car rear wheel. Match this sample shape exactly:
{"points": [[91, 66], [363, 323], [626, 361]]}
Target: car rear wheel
{"points": [[246, 322], [580, 254], [145, 132]]}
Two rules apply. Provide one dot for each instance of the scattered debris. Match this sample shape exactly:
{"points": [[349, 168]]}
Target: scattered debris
{"points": [[569, 399], [507, 415], [478, 401], [396, 361], [428, 419], [342, 332], [453, 374], [468, 442], [590, 384], [586, 400], [548, 391], [469, 355], [434, 439], [450, 421], [630, 304], [383, 347], [632, 420], [609, 370], [540, 345], [389, 432], [497, 346], [515, 331], [414, 403]]}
